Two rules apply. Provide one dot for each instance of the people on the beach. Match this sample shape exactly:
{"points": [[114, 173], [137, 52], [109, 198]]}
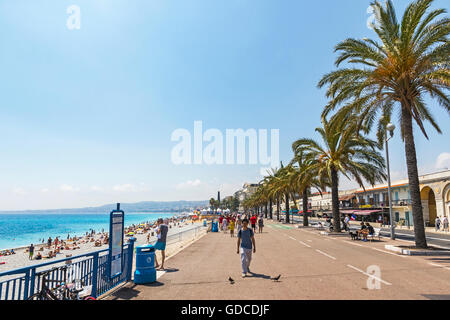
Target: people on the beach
{"points": [[160, 244], [31, 251], [49, 242], [245, 246]]}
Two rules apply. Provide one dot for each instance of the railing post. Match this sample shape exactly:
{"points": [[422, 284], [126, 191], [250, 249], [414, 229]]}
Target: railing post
{"points": [[130, 258], [95, 275], [26, 285], [32, 282]]}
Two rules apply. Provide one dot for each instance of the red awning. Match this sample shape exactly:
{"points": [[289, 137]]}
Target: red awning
{"points": [[366, 212], [348, 211]]}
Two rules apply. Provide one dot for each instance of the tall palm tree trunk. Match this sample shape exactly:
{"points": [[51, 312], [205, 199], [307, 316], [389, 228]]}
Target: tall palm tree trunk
{"points": [[335, 200], [287, 206], [270, 208], [265, 210], [278, 208], [413, 177], [305, 207]]}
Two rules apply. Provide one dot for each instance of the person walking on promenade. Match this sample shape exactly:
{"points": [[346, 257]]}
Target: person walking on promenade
{"points": [[160, 244], [238, 224], [224, 225], [220, 221], [31, 250], [445, 224], [245, 246], [347, 223], [231, 227], [260, 224], [253, 222], [437, 223]]}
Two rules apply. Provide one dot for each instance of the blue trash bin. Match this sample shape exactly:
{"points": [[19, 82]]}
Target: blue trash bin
{"points": [[215, 226], [145, 264]]}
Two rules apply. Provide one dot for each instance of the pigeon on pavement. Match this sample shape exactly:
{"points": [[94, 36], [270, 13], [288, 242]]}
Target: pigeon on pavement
{"points": [[276, 278]]}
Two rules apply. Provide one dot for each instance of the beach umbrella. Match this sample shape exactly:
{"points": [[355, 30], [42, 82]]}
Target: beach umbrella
{"points": [[130, 234]]}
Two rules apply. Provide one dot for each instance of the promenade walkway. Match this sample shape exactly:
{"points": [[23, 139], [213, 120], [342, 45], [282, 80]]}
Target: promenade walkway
{"points": [[312, 266]]}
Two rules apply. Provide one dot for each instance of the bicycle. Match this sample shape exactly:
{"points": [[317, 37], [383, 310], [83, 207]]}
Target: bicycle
{"points": [[64, 291], [46, 293]]}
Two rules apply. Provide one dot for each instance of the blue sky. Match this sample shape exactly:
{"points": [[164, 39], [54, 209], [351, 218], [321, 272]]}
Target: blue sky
{"points": [[87, 114]]}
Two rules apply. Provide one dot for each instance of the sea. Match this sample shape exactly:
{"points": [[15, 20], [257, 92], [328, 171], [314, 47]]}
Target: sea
{"points": [[22, 229]]}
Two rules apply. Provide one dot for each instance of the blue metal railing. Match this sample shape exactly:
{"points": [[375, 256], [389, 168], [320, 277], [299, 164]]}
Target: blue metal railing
{"points": [[90, 268]]}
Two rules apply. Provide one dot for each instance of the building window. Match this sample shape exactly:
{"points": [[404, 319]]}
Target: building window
{"points": [[407, 218]]}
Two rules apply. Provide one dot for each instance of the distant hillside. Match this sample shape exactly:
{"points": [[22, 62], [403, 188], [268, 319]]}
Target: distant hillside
{"points": [[144, 206]]}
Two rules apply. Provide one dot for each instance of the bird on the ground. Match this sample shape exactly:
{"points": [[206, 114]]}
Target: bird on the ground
{"points": [[276, 278], [231, 280]]}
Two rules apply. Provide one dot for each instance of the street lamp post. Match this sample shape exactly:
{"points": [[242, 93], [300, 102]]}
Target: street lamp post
{"points": [[390, 127]]}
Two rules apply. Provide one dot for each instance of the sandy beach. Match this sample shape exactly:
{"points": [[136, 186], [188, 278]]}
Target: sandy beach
{"points": [[21, 258]]}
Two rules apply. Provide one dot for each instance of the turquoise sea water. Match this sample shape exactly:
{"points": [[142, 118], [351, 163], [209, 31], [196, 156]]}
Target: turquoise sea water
{"points": [[17, 230]]}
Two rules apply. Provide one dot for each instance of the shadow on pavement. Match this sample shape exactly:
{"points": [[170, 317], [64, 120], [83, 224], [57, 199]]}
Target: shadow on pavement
{"points": [[258, 275], [127, 293], [442, 260], [437, 296]]}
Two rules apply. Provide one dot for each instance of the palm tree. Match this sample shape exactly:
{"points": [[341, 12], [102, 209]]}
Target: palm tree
{"points": [[304, 178], [212, 203], [285, 185], [274, 190], [411, 61], [345, 151]]}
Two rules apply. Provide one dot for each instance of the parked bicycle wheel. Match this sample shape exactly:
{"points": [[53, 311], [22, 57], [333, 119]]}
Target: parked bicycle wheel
{"points": [[41, 296]]}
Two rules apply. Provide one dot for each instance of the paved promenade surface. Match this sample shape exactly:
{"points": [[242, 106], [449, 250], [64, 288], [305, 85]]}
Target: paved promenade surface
{"points": [[439, 238], [312, 266]]}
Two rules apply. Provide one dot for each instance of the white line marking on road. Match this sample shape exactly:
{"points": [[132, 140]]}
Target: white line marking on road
{"points": [[292, 238], [306, 245], [355, 244], [394, 254], [325, 254], [369, 275], [438, 265]]}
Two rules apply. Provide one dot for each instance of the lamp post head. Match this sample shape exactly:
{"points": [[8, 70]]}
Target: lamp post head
{"points": [[390, 127]]}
